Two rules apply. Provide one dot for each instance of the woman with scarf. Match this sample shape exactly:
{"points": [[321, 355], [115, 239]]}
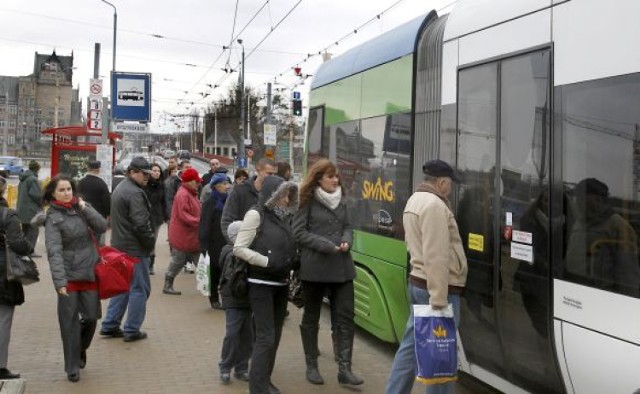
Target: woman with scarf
{"points": [[71, 248], [324, 235], [210, 231], [155, 192]]}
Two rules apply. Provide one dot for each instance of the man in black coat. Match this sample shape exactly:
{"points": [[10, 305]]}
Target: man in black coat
{"points": [[245, 195], [95, 191]]}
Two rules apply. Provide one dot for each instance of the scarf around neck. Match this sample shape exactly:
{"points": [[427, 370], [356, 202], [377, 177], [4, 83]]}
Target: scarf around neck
{"points": [[68, 205], [330, 200], [219, 198]]}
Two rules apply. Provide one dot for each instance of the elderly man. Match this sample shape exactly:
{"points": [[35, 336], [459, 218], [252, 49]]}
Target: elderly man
{"points": [[438, 265], [131, 233], [183, 228]]}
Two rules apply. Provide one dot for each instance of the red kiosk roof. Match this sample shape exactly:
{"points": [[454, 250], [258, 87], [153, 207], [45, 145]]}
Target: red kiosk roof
{"points": [[78, 131]]}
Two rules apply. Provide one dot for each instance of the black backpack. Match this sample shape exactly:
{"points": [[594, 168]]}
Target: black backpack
{"points": [[239, 269]]}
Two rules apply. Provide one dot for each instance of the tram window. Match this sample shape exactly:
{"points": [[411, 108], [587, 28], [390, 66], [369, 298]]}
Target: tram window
{"points": [[600, 126], [316, 116]]}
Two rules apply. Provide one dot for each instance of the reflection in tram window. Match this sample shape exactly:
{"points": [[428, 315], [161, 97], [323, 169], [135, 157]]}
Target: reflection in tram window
{"points": [[599, 125], [602, 245]]}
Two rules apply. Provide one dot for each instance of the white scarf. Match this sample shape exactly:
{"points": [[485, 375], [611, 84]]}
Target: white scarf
{"points": [[330, 200]]}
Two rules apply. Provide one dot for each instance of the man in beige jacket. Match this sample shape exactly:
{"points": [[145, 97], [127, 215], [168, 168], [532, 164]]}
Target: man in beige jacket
{"points": [[438, 265]]}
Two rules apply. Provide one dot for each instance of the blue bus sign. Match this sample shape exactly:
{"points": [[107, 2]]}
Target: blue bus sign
{"points": [[131, 96]]}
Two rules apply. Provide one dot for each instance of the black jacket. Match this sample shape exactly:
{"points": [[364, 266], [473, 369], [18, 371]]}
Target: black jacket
{"points": [[11, 293], [94, 190], [155, 193], [130, 220], [209, 231], [240, 200], [318, 232]]}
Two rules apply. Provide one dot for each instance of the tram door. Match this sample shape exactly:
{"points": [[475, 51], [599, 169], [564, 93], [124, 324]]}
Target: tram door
{"points": [[503, 213]]}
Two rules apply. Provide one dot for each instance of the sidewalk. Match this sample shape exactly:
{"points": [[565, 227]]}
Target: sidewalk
{"points": [[181, 354]]}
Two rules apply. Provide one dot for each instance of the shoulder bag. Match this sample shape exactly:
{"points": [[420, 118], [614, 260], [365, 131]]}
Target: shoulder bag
{"points": [[19, 268]]}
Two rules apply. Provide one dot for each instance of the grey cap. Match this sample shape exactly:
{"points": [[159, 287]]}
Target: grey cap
{"points": [[140, 163]]}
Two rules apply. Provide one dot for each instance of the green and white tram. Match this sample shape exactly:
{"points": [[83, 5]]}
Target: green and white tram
{"points": [[537, 104]]}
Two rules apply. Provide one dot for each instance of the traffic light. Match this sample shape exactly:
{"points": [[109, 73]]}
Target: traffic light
{"points": [[297, 107]]}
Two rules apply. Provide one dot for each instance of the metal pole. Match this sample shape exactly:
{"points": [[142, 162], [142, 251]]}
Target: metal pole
{"points": [[269, 103], [105, 126], [241, 147], [215, 129], [96, 60]]}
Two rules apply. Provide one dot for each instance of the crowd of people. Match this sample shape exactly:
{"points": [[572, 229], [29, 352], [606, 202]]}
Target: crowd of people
{"points": [[265, 224]]}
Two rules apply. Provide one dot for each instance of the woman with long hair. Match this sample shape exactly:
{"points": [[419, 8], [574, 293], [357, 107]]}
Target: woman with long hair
{"points": [[155, 192], [324, 235], [11, 293], [70, 230]]}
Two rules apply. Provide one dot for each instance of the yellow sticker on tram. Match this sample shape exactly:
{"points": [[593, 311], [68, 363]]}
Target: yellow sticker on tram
{"points": [[476, 242]]}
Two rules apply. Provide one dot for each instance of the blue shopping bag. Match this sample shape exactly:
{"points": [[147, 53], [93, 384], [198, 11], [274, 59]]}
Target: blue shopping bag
{"points": [[436, 350]]}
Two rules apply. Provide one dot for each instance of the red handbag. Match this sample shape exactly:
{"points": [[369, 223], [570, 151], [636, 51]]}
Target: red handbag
{"points": [[114, 272]]}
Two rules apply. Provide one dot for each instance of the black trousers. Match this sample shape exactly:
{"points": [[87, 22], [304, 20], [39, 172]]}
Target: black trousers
{"points": [[341, 297], [269, 305]]}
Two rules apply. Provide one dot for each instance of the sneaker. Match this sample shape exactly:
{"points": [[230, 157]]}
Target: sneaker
{"points": [[225, 378], [115, 333], [73, 377], [190, 268], [137, 336], [6, 374], [243, 376]]}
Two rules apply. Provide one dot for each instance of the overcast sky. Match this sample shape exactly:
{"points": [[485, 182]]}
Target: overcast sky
{"points": [[191, 55]]}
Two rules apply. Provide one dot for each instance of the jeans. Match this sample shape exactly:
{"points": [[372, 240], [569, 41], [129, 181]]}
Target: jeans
{"points": [[238, 341], [135, 300], [179, 259], [269, 305], [404, 368]]}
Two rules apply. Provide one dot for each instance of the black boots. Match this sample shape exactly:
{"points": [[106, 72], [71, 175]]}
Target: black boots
{"points": [[152, 261], [345, 349], [168, 286], [6, 374], [309, 337]]}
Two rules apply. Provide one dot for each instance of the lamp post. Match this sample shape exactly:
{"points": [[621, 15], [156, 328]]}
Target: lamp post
{"points": [[105, 130], [241, 147]]}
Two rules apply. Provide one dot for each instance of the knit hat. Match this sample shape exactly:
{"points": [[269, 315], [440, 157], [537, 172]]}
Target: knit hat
{"points": [[190, 174], [218, 178], [233, 230], [34, 165]]}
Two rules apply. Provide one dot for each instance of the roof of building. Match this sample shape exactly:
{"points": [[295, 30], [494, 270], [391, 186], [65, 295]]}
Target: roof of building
{"points": [[66, 63], [224, 137]]}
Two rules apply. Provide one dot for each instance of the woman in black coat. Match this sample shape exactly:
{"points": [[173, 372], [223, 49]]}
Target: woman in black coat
{"points": [[158, 215], [324, 235], [11, 293], [210, 232]]}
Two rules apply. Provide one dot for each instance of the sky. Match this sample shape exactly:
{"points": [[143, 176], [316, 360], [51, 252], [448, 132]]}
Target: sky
{"points": [[181, 42]]}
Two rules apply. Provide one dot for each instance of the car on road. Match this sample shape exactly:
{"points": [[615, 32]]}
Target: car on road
{"points": [[11, 165]]}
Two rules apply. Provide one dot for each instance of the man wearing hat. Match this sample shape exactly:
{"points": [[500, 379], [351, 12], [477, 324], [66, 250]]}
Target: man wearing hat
{"points": [[29, 202], [438, 264], [94, 190], [183, 227], [131, 233]]}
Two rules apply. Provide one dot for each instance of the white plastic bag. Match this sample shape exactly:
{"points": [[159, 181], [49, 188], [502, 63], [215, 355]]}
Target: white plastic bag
{"points": [[203, 271]]}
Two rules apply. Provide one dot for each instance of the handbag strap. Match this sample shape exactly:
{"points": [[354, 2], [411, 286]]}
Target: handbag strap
{"points": [[89, 229]]}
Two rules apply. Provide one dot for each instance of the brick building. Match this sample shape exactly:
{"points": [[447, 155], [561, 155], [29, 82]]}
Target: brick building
{"points": [[41, 100]]}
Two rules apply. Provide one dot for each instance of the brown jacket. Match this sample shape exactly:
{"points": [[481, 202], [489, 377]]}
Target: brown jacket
{"points": [[434, 243]]}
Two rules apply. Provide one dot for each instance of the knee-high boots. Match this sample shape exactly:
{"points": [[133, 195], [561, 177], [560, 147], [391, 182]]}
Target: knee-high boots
{"points": [[309, 335], [345, 351]]}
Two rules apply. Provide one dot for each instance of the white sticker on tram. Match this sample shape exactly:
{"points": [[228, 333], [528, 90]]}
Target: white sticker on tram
{"points": [[522, 252], [509, 219], [522, 237]]}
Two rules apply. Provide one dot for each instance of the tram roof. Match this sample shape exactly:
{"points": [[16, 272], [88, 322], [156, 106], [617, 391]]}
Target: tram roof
{"points": [[389, 46]]}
